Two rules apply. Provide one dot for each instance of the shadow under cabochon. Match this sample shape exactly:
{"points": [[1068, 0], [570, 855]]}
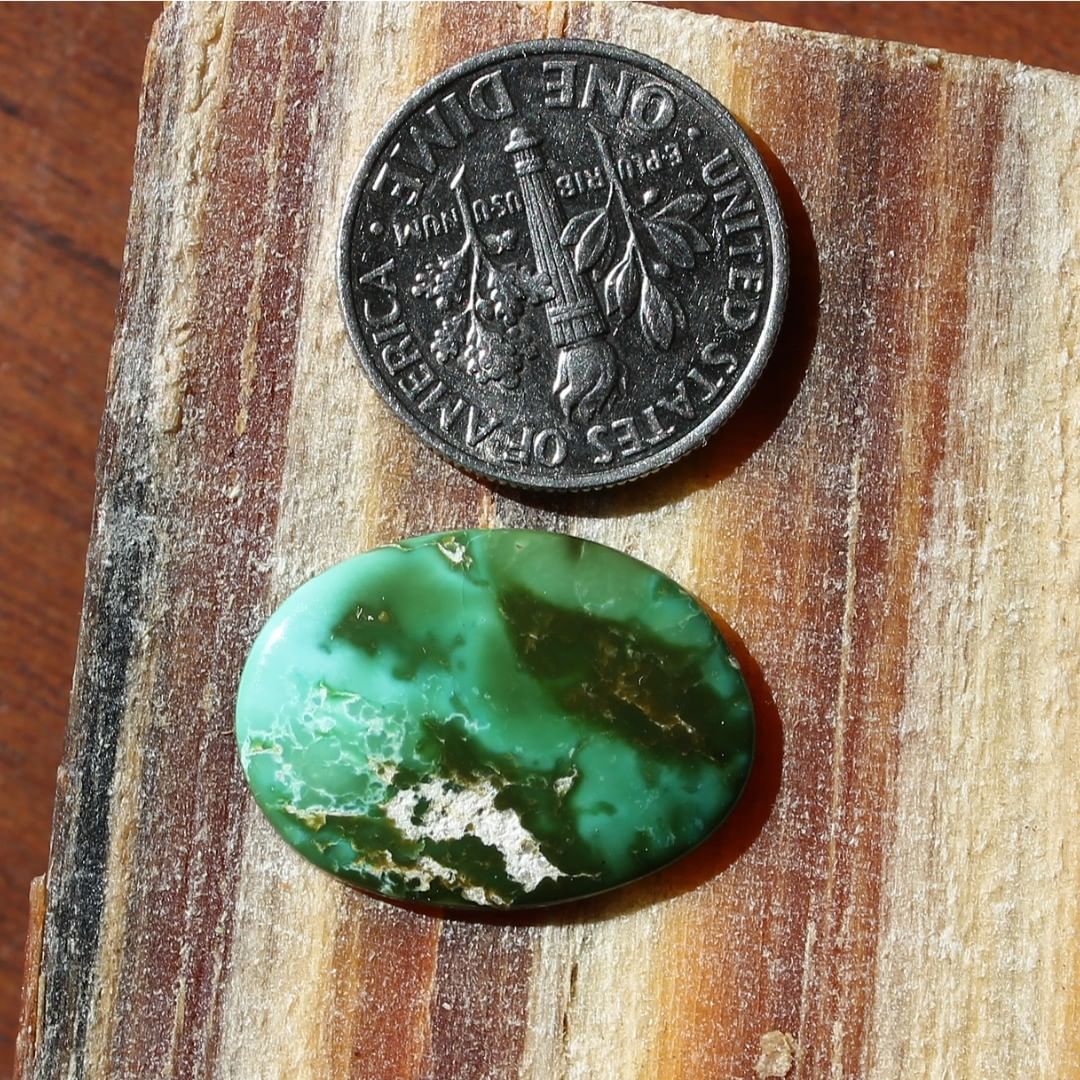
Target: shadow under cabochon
{"points": [[493, 718]]}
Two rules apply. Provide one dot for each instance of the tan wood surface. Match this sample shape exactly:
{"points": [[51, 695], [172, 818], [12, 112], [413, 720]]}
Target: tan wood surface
{"points": [[888, 528]]}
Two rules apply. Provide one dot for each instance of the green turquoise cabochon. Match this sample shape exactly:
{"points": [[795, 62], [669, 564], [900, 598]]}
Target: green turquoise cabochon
{"points": [[493, 718]]}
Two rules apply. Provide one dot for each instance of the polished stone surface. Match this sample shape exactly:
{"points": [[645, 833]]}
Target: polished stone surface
{"points": [[493, 717]]}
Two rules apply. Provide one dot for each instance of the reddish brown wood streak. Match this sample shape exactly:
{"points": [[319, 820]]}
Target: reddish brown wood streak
{"points": [[480, 1001], [26, 1041], [387, 995], [189, 760], [899, 240]]}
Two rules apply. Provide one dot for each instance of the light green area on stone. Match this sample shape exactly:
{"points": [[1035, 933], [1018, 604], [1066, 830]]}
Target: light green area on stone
{"points": [[493, 717]]}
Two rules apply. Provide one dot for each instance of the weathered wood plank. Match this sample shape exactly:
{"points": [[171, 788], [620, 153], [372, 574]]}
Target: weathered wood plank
{"points": [[888, 527]]}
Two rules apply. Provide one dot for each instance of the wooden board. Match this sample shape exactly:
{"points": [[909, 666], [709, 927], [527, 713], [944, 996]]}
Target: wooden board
{"points": [[887, 527]]}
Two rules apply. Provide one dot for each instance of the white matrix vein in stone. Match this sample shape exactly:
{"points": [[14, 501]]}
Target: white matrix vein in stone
{"points": [[454, 813]]}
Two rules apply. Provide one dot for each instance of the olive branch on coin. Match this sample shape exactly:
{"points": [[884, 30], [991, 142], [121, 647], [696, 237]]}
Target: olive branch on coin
{"points": [[655, 242], [483, 303]]}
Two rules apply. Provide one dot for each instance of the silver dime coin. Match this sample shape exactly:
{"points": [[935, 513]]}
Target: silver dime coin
{"points": [[563, 264]]}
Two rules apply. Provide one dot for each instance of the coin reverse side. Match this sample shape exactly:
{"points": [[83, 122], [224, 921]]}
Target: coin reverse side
{"points": [[563, 264]]}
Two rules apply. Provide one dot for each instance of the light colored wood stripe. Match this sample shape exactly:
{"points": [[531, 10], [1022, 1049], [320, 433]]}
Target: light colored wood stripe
{"points": [[979, 947], [199, 63]]}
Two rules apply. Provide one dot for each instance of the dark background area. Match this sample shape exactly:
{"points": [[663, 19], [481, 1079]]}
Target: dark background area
{"points": [[69, 90]]}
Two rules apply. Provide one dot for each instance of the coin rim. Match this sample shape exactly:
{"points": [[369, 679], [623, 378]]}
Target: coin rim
{"points": [[774, 218]]}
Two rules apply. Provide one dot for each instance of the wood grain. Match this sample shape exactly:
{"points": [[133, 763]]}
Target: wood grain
{"points": [[887, 528]]}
